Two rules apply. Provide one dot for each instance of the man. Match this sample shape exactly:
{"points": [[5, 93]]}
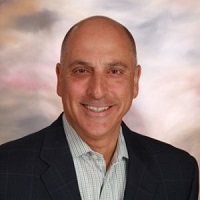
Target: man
{"points": [[88, 152]]}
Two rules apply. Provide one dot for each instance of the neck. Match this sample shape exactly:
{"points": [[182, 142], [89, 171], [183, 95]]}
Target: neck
{"points": [[105, 147]]}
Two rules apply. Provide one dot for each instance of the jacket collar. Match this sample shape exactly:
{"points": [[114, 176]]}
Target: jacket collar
{"points": [[141, 182], [60, 177]]}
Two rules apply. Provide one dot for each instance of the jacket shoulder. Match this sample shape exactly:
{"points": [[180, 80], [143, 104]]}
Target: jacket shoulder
{"points": [[24, 150], [174, 169], [31, 140], [26, 142], [150, 149]]}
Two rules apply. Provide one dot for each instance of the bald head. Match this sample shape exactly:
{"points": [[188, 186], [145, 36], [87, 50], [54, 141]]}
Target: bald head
{"points": [[100, 26], [97, 78]]}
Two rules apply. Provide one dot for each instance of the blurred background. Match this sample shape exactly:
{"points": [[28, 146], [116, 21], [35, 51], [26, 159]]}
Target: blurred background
{"points": [[167, 34]]}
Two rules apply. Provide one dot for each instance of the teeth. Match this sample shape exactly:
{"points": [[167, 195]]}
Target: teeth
{"points": [[96, 109]]}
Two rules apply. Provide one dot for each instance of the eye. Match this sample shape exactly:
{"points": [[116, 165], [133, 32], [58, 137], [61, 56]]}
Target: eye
{"points": [[116, 71], [80, 71]]}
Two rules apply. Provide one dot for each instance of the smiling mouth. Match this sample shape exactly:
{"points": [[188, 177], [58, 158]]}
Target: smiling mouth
{"points": [[96, 109]]}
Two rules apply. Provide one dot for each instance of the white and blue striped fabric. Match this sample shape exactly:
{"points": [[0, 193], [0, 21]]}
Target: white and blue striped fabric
{"points": [[94, 181]]}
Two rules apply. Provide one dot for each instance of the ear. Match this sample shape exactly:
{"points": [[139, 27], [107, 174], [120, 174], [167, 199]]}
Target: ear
{"points": [[137, 73], [59, 79]]}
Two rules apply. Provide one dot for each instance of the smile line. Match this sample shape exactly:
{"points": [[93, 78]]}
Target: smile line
{"points": [[97, 109]]}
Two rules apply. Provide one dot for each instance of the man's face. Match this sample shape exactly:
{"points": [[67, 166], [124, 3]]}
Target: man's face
{"points": [[97, 81]]}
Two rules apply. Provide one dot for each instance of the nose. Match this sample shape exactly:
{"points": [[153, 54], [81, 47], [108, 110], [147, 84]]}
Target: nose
{"points": [[97, 86]]}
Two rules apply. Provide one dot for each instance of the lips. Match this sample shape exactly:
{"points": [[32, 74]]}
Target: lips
{"points": [[97, 109]]}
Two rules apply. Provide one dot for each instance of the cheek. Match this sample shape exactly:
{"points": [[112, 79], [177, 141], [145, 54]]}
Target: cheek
{"points": [[124, 88], [73, 89]]}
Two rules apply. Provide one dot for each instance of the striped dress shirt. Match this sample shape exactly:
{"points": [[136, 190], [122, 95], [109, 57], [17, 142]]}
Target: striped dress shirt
{"points": [[94, 181]]}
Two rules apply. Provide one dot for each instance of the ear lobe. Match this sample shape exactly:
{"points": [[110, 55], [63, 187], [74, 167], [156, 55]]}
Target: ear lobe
{"points": [[58, 73], [137, 74]]}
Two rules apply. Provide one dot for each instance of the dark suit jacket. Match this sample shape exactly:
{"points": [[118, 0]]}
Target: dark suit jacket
{"points": [[40, 167]]}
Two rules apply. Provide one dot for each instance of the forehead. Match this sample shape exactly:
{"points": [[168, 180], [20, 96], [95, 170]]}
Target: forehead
{"points": [[98, 30], [98, 40]]}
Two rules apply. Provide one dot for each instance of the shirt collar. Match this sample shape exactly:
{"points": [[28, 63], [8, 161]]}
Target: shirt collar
{"points": [[78, 147]]}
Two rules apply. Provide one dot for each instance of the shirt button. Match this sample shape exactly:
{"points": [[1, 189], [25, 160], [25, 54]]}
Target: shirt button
{"points": [[95, 157]]}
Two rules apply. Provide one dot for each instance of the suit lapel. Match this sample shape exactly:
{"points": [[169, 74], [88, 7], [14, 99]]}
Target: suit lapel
{"points": [[141, 183], [60, 177]]}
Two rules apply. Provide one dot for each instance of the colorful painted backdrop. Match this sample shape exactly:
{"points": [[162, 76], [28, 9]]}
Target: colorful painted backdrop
{"points": [[167, 33]]}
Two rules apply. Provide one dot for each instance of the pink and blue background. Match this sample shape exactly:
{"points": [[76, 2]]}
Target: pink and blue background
{"points": [[167, 34]]}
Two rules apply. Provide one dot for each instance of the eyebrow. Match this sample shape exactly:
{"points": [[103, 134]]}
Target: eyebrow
{"points": [[79, 62], [109, 64], [117, 63]]}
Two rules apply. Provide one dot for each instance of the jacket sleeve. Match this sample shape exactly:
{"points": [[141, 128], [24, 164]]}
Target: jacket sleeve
{"points": [[194, 190]]}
